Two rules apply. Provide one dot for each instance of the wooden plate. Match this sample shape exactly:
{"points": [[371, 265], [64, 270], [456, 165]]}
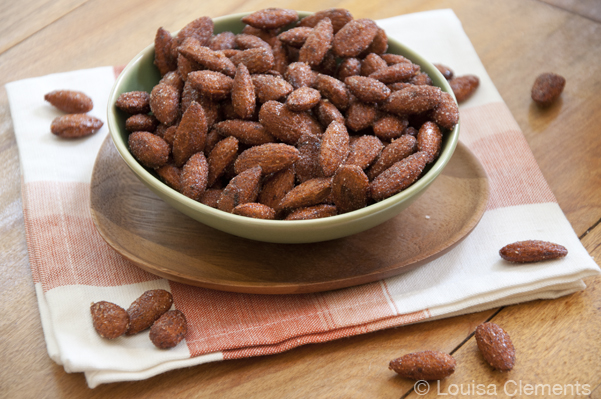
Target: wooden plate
{"points": [[163, 241]]}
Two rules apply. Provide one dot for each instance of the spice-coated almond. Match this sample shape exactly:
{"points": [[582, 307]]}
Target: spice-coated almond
{"points": [[254, 210], [241, 189], [350, 186], [398, 177], [313, 212], [496, 346], [429, 140], [271, 18], [195, 175], [354, 37], [147, 308], [547, 88], [110, 321], [334, 148], [464, 86], [72, 126], [426, 365], [271, 157], [532, 251], [150, 150], [169, 330], [70, 101]]}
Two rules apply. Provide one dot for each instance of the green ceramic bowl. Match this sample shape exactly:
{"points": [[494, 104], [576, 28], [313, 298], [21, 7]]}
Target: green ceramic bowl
{"points": [[141, 74]]}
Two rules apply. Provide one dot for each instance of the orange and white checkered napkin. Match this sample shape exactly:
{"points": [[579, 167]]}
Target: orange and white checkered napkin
{"points": [[72, 266]]}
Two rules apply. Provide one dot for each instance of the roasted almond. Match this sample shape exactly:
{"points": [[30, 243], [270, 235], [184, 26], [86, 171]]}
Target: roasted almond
{"points": [[372, 63], [270, 87], [496, 346], [191, 134], [364, 150], [207, 58], [350, 186], [413, 100], [547, 88], [223, 154], [194, 177], [271, 157], [295, 37], [398, 177], [271, 18], [333, 89], [243, 93], [303, 99], [164, 103], [169, 330], [242, 189], [532, 251], [110, 321], [446, 113], [317, 44], [163, 58], [276, 187], [254, 210], [134, 102], [141, 123], [464, 86], [215, 85], [390, 127], [354, 37], [426, 365], [72, 126], [338, 16], [397, 150], [360, 116], [300, 74], [147, 309], [70, 101], [312, 212], [429, 140], [282, 123], [150, 150], [311, 192], [367, 89], [395, 73], [334, 148], [257, 60], [247, 132]]}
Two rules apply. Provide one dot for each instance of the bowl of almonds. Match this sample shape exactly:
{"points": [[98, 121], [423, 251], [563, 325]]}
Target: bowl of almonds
{"points": [[284, 126]]}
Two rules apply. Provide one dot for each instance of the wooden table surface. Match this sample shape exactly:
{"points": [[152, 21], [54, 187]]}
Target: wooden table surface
{"points": [[558, 341]]}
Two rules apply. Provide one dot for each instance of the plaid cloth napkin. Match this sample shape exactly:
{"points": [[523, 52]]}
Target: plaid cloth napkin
{"points": [[72, 266]]}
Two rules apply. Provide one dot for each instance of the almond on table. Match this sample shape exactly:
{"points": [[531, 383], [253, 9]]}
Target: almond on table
{"points": [[495, 345], [547, 88], [426, 365]]}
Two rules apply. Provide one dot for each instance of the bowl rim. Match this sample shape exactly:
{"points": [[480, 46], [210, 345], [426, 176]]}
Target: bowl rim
{"points": [[147, 177]]}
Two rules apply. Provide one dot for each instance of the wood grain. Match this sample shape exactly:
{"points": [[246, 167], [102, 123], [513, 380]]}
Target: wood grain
{"points": [[23, 22], [587, 8], [516, 40], [163, 241]]}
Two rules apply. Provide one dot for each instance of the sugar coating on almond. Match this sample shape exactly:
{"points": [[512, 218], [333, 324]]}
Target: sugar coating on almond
{"points": [[110, 321], [169, 330], [71, 101], [147, 308]]}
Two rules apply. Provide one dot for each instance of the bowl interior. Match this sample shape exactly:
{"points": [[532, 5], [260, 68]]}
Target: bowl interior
{"points": [[141, 74]]}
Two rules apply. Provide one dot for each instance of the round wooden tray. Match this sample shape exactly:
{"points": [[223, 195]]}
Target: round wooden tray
{"points": [[165, 242]]}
